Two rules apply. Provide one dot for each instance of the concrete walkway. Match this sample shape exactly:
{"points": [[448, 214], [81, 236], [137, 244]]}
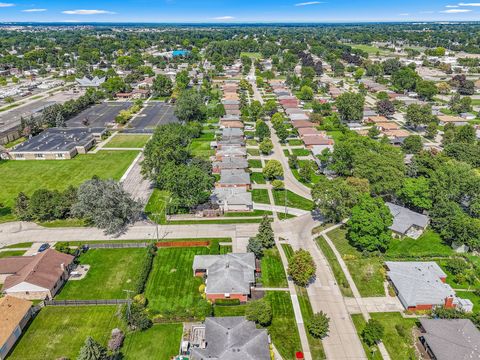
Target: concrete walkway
{"points": [[280, 209], [134, 183]]}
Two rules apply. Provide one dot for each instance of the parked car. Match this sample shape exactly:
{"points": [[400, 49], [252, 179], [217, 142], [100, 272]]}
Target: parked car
{"points": [[43, 247]]}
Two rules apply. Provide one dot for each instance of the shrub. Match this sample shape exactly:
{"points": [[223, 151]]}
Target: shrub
{"points": [[116, 340], [146, 268], [401, 331], [318, 325], [228, 302], [201, 288], [373, 332], [259, 311]]}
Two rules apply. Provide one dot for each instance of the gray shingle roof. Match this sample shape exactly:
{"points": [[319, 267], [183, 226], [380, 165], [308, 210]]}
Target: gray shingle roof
{"points": [[418, 283], [231, 163], [232, 196], [234, 177], [229, 273], [452, 338], [404, 219], [233, 338], [231, 132]]}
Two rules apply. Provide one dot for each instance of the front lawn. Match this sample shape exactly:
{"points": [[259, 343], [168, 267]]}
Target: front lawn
{"points": [[160, 342], [293, 200], [470, 295], [111, 272], [429, 244], [295, 142], [300, 152], [201, 148], [273, 273], [4, 254], [283, 330], [253, 152], [257, 178], [28, 176], [229, 310], [367, 272], [156, 206], [254, 163], [60, 331], [127, 141], [260, 196]]}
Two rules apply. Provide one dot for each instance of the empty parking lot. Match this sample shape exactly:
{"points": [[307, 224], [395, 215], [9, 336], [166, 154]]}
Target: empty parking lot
{"points": [[153, 114], [99, 115]]}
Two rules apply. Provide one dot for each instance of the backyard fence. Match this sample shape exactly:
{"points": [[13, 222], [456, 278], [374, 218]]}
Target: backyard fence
{"points": [[117, 245], [84, 302], [183, 243]]}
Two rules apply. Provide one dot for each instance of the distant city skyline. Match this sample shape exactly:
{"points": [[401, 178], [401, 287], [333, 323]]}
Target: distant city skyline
{"points": [[234, 11]]}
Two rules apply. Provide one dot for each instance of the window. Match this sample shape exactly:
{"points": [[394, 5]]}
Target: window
{"points": [[19, 156], [60, 156], [39, 156]]}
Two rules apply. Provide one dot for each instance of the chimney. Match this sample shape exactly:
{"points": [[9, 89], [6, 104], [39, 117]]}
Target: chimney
{"points": [[449, 302]]}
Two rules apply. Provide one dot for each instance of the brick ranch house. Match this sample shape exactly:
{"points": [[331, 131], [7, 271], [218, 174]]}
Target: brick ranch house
{"points": [[228, 276]]}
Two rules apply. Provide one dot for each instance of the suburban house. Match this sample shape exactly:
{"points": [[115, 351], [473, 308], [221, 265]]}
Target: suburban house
{"points": [[232, 199], [229, 163], [14, 315], [311, 140], [95, 82], [446, 339], [234, 178], [228, 133], [232, 338], [229, 152], [421, 286], [228, 276], [35, 277], [407, 222], [449, 119], [298, 124], [57, 144]]}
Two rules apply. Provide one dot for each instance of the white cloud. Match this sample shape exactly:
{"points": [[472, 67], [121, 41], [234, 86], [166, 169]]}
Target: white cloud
{"points": [[309, 3], [223, 18], [34, 10], [6, 4], [86, 12], [469, 4], [451, 6], [455, 11]]}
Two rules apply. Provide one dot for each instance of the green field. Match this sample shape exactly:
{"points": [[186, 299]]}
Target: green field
{"points": [[28, 176], [111, 272], [273, 273], [172, 289], [160, 342], [367, 272], [283, 330], [370, 49], [293, 200], [399, 344], [429, 244], [260, 196], [4, 254], [60, 331], [127, 141]]}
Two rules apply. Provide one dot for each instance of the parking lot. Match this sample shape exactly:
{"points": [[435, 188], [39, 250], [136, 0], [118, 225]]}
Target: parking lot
{"points": [[99, 115], [153, 114]]}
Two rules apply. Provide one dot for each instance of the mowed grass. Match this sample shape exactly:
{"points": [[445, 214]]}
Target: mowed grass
{"points": [[28, 176], [283, 330], [273, 273], [160, 342], [367, 272], [429, 244], [157, 205], [127, 141], [4, 254], [172, 289], [293, 200], [111, 272], [60, 331], [260, 196], [201, 148]]}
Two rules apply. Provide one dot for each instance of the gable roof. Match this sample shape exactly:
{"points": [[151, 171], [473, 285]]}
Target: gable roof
{"points": [[228, 273], [452, 338], [234, 176], [12, 311], [233, 338], [232, 196], [404, 219], [43, 269], [419, 283]]}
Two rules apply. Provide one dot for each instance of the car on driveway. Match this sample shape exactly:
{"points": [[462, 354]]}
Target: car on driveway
{"points": [[43, 247]]}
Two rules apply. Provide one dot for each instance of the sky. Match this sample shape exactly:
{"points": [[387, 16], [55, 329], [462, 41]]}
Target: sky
{"points": [[237, 11]]}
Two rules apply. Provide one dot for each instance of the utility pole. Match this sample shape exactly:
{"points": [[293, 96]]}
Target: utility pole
{"points": [[128, 303]]}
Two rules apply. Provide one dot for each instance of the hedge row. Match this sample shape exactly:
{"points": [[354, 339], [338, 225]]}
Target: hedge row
{"points": [[147, 267]]}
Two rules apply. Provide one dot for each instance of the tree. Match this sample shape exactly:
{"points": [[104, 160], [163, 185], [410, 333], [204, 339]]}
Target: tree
{"points": [[390, 66], [278, 184], [369, 223], [162, 85], [60, 120], [350, 106], [405, 79], [259, 311], [136, 316], [358, 73], [266, 146], [262, 130], [426, 89], [444, 88], [282, 132], [182, 80], [255, 246], [305, 171], [107, 205], [301, 267], [189, 106], [92, 350], [373, 132], [419, 115], [273, 169], [459, 104], [431, 130], [306, 93], [415, 192], [465, 134], [373, 332], [412, 144], [319, 325], [270, 107], [265, 233], [385, 108], [21, 209], [114, 85]]}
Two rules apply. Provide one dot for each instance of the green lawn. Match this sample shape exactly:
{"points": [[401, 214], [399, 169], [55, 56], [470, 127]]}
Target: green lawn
{"points": [[283, 330], [257, 177], [4, 254], [335, 266], [127, 141], [273, 273], [314, 179], [160, 342], [287, 248], [229, 310], [111, 271], [295, 142], [251, 142], [367, 272], [248, 213], [253, 152], [260, 196], [253, 55], [429, 244], [201, 148], [301, 152], [172, 290], [475, 299], [59, 331], [28, 176], [254, 164], [293, 200], [156, 205], [399, 344], [316, 346], [70, 222], [370, 49], [19, 245]]}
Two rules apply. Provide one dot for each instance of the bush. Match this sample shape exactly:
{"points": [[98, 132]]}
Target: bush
{"points": [[373, 332], [201, 288], [401, 331], [301, 267], [146, 268], [228, 302], [456, 265], [318, 325], [259, 311], [116, 340]]}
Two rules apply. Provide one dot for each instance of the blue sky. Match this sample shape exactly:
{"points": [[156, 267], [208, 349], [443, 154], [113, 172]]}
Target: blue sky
{"points": [[237, 10]]}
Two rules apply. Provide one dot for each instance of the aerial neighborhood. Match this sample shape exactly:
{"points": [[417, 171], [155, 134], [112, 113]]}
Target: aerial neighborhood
{"points": [[239, 191]]}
